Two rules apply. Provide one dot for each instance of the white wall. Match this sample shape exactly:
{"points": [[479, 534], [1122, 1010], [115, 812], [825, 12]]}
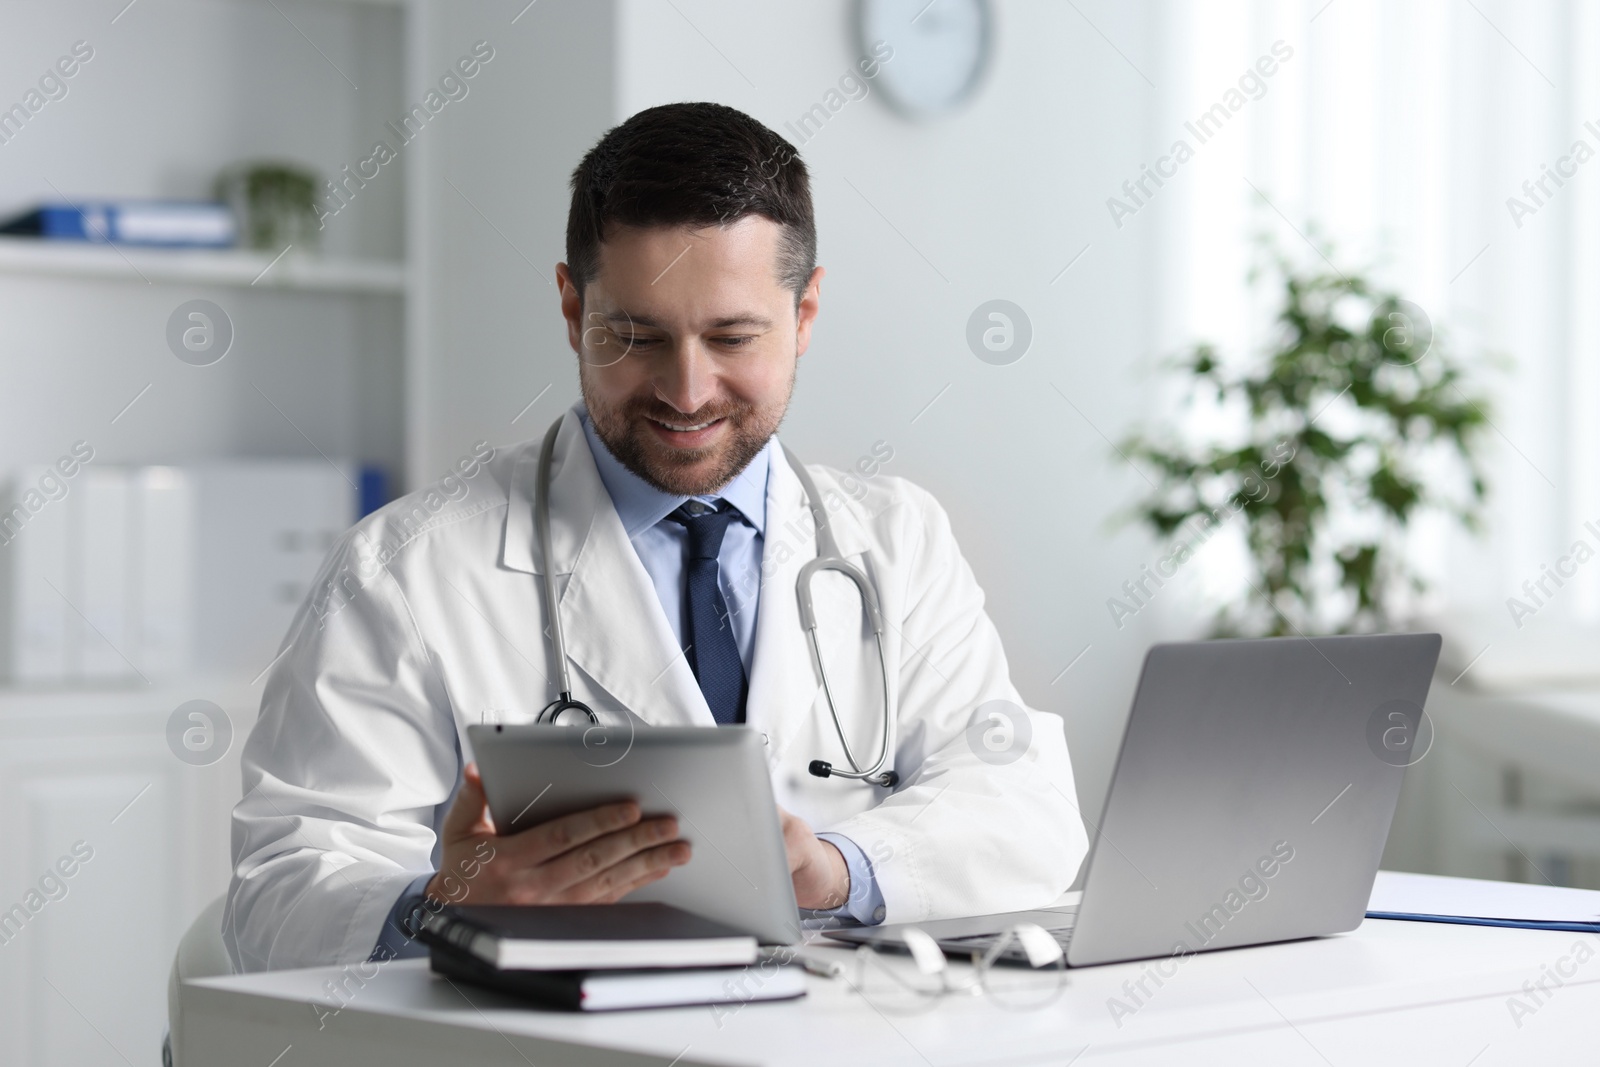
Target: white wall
{"points": [[999, 197], [496, 188]]}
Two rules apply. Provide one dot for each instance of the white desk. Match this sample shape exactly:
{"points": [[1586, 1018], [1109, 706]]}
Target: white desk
{"points": [[1391, 992]]}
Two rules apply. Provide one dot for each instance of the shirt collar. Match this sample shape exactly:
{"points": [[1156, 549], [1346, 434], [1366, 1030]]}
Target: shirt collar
{"points": [[641, 505]]}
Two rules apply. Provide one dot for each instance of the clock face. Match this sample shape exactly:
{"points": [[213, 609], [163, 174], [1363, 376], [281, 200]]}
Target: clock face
{"points": [[940, 50]]}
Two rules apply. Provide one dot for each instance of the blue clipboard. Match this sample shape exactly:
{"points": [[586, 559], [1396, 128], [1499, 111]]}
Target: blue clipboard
{"points": [[1467, 920]]}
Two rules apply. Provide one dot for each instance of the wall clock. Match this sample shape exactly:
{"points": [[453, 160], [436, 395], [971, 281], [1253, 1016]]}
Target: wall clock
{"points": [[941, 50]]}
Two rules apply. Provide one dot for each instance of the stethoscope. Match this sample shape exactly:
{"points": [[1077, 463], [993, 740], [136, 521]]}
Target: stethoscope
{"points": [[828, 559]]}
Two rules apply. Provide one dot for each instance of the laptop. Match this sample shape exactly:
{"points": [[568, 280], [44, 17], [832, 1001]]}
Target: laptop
{"points": [[1250, 803]]}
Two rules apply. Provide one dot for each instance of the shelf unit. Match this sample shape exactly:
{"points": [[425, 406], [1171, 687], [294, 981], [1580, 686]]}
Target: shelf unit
{"points": [[294, 270], [334, 338], [333, 335]]}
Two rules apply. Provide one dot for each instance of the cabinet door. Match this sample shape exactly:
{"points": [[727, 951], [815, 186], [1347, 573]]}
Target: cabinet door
{"points": [[83, 964], [84, 975]]}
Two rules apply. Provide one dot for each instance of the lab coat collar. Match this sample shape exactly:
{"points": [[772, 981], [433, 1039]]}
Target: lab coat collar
{"points": [[616, 632], [783, 681], [626, 644], [577, 496]]}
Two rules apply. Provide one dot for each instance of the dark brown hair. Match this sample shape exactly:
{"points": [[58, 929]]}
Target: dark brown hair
{"points": [[692, 164]]}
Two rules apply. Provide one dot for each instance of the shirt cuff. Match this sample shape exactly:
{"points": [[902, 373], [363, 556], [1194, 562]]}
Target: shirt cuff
{"points": [[865, 902], [397, 940]]}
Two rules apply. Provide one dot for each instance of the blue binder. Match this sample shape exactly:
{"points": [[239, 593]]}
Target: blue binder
{"points": [[153, 223]]}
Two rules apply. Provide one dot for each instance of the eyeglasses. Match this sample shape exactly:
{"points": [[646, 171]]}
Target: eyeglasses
{"points": [[889, 985]]}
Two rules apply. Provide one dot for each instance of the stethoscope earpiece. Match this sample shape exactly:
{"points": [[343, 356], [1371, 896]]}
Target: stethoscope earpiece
{"points": [[823, 769]]}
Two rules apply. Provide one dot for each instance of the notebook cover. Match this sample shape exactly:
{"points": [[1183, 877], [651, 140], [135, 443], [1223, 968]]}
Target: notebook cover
{"points": [[564, 989]]}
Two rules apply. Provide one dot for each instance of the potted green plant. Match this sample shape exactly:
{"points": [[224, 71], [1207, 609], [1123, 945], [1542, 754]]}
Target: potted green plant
{"points": [[275, 203], [1339, 421]]}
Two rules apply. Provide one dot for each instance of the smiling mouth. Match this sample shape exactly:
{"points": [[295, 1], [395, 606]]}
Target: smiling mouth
{"points": [[686, 427]]}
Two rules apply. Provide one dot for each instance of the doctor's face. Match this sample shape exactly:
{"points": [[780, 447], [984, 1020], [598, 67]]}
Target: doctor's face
{"points": [[687, 346]]}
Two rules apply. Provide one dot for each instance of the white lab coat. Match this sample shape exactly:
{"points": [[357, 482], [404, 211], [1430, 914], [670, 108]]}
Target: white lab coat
{"points": [[427, 617]]}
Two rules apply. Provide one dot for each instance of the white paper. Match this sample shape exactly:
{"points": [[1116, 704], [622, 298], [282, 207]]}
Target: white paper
{"points": [[1432, 894]]}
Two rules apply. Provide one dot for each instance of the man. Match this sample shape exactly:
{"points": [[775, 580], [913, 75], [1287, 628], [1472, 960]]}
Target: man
{"points": [[678, 530]]}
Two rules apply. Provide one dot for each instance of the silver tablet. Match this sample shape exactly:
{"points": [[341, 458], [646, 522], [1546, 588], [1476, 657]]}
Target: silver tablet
{"points": [[714, 780]]}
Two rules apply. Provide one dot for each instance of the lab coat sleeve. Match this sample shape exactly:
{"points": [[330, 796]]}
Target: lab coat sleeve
{"points": [[353, 755], [985, 819]]}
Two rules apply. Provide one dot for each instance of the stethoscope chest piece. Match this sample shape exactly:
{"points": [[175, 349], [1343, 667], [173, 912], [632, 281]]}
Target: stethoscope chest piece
{"points": [[560, 706]]}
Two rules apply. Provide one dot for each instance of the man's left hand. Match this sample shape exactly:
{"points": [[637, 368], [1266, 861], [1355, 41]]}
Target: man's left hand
{"points": [[821, 879]]}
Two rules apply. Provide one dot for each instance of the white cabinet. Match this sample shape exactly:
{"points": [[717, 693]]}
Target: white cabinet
{"points": [[111, 846]]}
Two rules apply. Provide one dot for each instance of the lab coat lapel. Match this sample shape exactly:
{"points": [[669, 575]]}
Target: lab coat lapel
{"points": [[783, 682], [615, 629]]}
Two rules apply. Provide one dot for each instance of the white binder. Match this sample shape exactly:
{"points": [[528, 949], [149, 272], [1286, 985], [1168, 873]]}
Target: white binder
{"points": [[34, 568]]}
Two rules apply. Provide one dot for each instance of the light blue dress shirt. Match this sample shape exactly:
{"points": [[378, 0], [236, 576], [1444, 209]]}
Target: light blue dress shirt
{"points": [[663, 545], [663, 548]]}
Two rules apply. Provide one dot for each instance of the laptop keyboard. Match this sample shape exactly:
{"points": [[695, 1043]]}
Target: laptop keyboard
{"points": [[1061, 930]]}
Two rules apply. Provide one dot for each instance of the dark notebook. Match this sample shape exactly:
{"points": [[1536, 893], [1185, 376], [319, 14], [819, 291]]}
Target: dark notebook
{"points": [[616, 990], [572, 937]]}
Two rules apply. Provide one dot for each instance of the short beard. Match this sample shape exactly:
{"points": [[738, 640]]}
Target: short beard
{"points": [[624, 433]]}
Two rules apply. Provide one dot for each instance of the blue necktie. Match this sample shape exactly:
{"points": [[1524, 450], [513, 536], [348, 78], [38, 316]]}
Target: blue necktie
{"points": [[713, 653]]}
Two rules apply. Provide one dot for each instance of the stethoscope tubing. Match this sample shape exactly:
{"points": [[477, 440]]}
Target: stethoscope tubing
{"points": [[828, 559], [558, 642]]}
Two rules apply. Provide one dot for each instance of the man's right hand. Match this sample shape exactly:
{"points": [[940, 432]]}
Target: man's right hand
{"points": [[590, 857]]}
